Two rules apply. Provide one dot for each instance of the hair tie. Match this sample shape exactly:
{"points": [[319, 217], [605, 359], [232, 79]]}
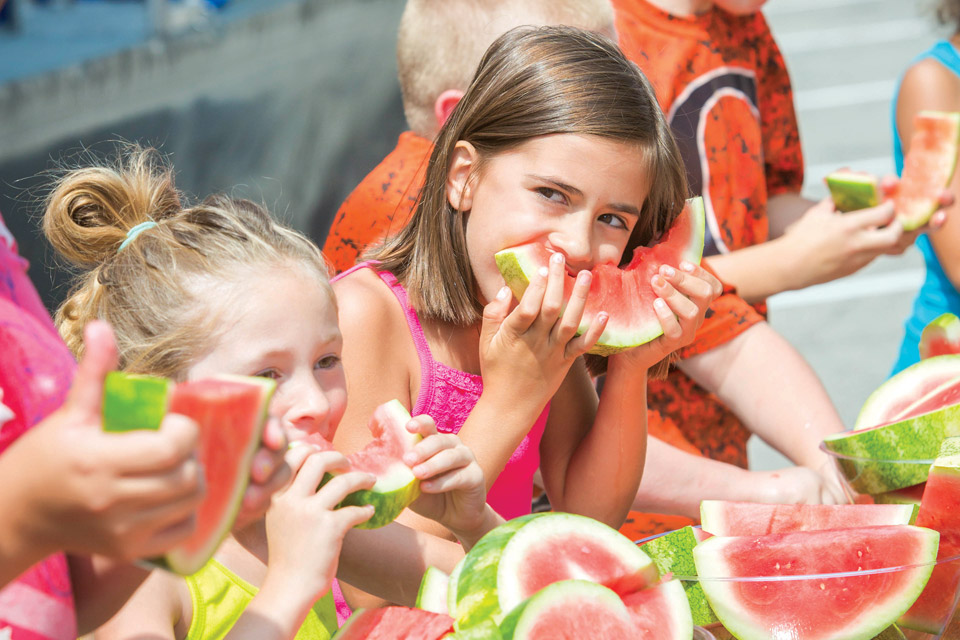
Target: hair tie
{"points": [[134, 232]]}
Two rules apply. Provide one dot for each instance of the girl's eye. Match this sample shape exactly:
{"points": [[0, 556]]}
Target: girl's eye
{"points": [[272, 374], [551, 194], [328, 362], [614, 221]]}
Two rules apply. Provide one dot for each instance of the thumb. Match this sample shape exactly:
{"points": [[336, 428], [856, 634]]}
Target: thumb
{"points": [[99, 358], [494, 314]]}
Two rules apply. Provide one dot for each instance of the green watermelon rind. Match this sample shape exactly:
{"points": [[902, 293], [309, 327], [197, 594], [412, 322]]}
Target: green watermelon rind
{"points": [[516, 265], [537, 533], [876, 408], [476, 586], [852, 191], [926, 207], [183, 563], [516, 625], [945, 327], [134, 401], [673, 554], [432, 595], [452, 590], [485, 630], [709, 560], [877, 459]]}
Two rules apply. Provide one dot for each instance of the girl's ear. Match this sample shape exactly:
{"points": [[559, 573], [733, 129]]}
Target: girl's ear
{"points": [[463, 163]]}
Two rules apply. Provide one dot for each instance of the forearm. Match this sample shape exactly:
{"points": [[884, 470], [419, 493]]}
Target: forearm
{"points": [[275, 613], [611, 454], [101, 587], [759, 271], [389, 562], [783, 210], [786, 405]]}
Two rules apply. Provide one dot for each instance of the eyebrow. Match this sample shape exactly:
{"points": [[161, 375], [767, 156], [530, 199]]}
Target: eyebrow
{"points": [[617, 206]]}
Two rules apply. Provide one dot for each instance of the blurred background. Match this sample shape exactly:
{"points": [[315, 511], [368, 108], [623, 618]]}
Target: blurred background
{"points": [[292, 102]]}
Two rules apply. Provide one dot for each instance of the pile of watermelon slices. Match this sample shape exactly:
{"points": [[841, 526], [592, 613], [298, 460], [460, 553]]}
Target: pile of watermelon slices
{"points": [[552, 576], [817, 572]]}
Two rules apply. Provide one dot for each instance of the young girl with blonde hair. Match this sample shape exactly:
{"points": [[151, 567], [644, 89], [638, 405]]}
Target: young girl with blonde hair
{"points": [[219, 287]]}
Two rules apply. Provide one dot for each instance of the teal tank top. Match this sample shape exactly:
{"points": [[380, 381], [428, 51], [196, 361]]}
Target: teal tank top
{"points": [[937, 295]]}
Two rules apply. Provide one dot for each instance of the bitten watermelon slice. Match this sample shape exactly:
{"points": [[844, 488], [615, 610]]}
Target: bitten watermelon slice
{"points": [[625, 294], [395, 623], [940, 510], [231, 412], [396, 486], [928, 166], [724, 518], [433, 591], [852, 190], [940, 337], [802, 600], [520, 557]]}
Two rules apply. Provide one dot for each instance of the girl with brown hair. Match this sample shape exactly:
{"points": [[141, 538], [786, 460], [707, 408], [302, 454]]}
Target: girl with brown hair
{"points": [[219, 287], [558, 139]]}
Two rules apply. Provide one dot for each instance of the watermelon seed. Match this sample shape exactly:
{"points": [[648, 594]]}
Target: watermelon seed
{"points": [[822, 586]]}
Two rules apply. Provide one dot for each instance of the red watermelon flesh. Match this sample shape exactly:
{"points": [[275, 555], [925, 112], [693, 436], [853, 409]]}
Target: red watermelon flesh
{"points": [[818, 607], [724, 518], [624, 293], [928, 166], [231, 412], [940, 337], [661, 612], [569, 610], [395, 623], [926, 386]]}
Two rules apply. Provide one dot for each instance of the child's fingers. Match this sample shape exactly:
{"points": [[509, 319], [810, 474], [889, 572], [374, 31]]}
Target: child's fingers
{"points": [[553, 293], [443, 461], [331, 494], [274, 438], [312, 470], [872, 217], [166, 538], [668, 320], [142, 452], [429, 447], [494, 314], [470, 476], [99, 357], [582, 343], [423, 425], [685, 308], [880, 239], [349, 517], [573, 314], [528, 310], [183, 482], [693, 281]]}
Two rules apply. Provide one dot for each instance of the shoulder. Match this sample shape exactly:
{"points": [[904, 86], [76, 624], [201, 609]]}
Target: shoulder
{"points": [[930, 78], [364, 300]]}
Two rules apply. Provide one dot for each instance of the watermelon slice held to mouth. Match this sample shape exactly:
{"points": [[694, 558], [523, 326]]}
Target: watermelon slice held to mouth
{"points": [[231, 412], [625, 294], [940, 337], [928, 166]]}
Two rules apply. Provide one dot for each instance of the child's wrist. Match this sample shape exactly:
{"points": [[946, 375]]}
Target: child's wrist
{"points": [[286, 598], [469, 537]]}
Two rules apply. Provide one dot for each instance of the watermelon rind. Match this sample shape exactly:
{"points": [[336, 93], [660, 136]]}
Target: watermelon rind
{"points": [[673, 554], [727, 518], [940, 337], [892, 632], [517, 624], [518, 264], [452, 589], [395, 488], [486, 630], [908, 495], [722, 586], [914, 213], [432, 595], [177, 559], [851, 190], [878, 407], [133, 401], [896, 455], [552, 529]]}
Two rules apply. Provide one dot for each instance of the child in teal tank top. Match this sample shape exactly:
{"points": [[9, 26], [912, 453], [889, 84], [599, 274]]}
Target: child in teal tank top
{"points": [[931, 83], [219, 287]]}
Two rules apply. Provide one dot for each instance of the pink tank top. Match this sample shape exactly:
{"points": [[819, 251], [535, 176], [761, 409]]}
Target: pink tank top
{"points": [[449, 395]]}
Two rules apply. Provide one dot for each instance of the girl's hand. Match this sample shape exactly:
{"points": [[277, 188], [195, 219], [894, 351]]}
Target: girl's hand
{"points": [[123, 495], [452, 487], [684, 295], [268, 474], [526, 353], [305, 530], [797, 485]]}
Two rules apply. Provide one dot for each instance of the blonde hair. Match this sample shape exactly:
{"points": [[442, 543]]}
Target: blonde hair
{"points": [[159, 291], [440, 42]]}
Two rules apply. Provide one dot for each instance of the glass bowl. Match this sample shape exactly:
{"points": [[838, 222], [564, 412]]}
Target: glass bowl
{"points": [[861, 475], [699, 633]]}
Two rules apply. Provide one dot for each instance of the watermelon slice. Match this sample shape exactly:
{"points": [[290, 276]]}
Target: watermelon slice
{"points": [[925, 386], [626, 294], [231, 412], [823, 585], [940, 337], [928, 166], [526, 554], [723, 518], [396, 486], [940, 510], [433, 591], [394, 623], [571, 609], [852, 190], [673, 554], [486, 630], [660, 612]]}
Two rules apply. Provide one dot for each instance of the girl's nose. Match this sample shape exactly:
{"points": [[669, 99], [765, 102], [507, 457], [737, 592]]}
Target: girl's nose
{"points": [[573, 239], [309, 408]]}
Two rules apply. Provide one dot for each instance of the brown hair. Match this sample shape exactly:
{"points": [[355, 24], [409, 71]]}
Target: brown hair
{"points": [[157, 291], [948, 13], [440, 42], [530, 83]]}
